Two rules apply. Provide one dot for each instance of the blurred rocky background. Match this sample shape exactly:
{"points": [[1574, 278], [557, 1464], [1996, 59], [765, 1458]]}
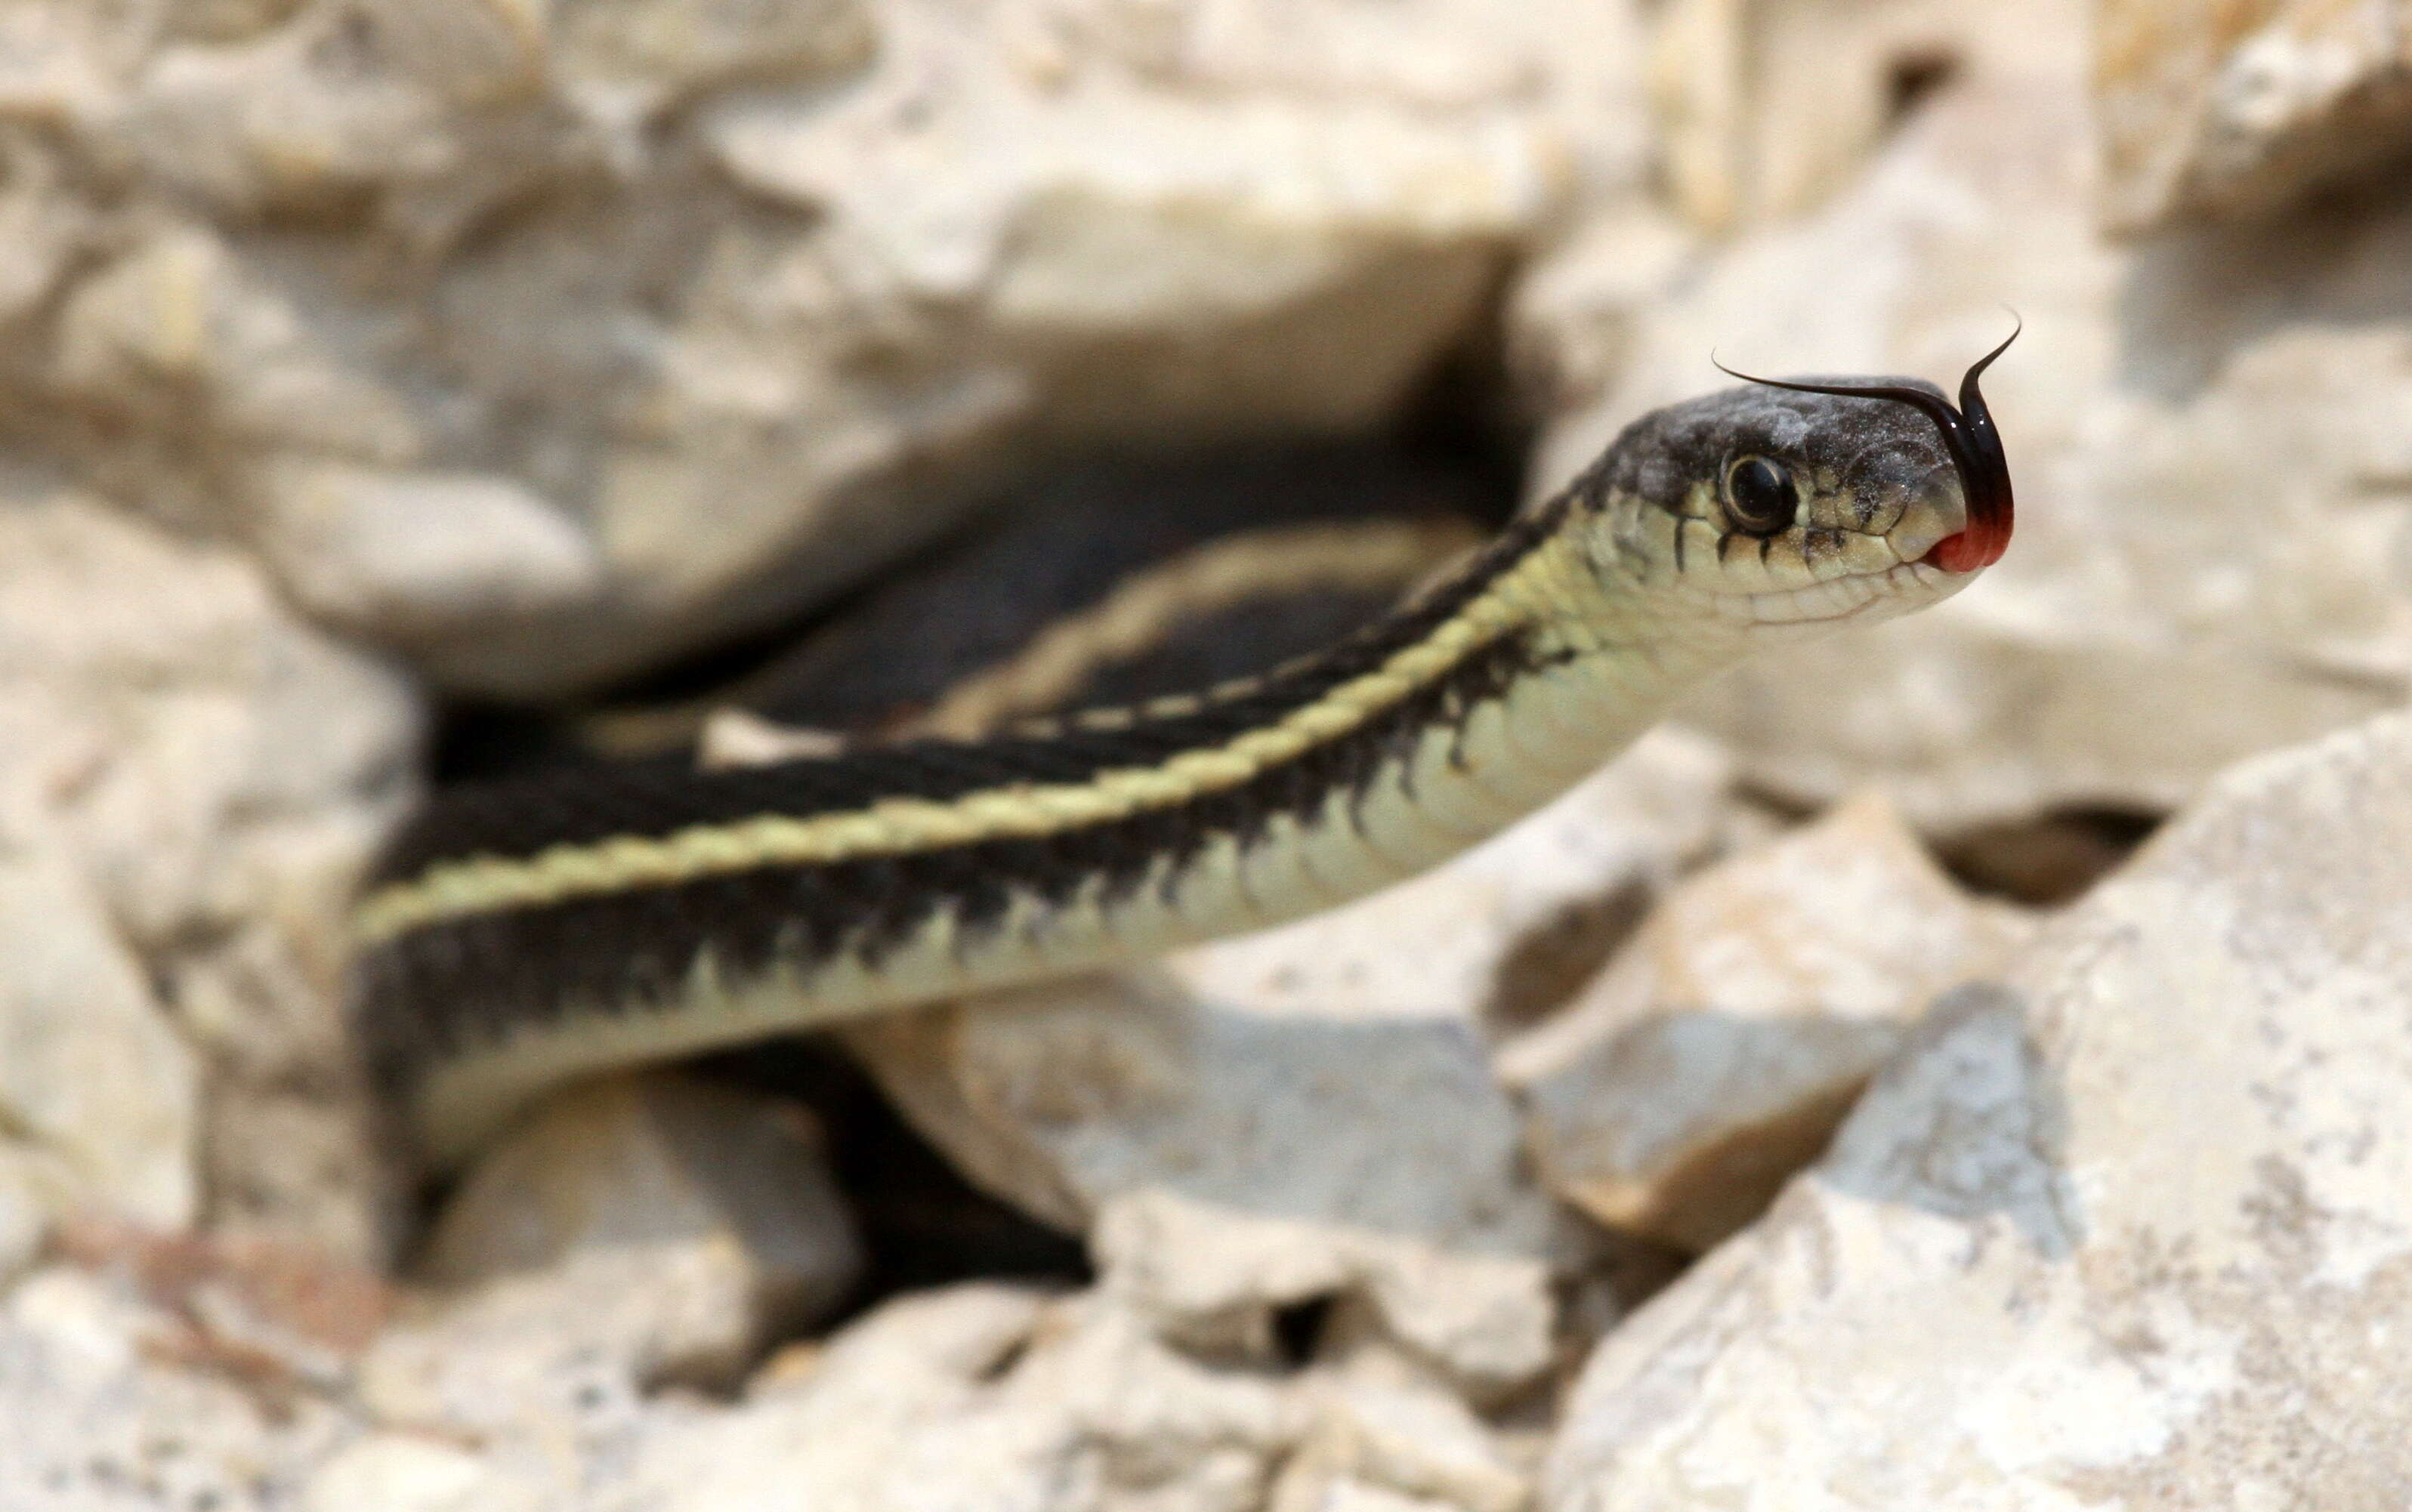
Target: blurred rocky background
{"points": [[362, 362]]}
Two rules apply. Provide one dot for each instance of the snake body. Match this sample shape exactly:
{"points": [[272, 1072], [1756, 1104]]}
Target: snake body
{"points": [[514, 937]]}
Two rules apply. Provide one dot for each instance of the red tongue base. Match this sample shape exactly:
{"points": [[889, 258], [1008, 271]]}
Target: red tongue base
{"points": [[1978, 545]]}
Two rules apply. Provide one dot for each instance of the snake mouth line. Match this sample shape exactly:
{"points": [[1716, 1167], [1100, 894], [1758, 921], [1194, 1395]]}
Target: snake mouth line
{"points": [[1868, 591]]}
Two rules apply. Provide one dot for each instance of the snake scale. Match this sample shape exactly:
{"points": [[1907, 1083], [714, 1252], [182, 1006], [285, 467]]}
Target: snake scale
{"points": [[518, 934]]}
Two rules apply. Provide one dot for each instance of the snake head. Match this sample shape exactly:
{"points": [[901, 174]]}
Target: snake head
{"points": [[1801, 501]]}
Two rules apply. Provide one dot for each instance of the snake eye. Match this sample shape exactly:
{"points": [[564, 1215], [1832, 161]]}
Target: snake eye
{"points": [[1759, 496]]}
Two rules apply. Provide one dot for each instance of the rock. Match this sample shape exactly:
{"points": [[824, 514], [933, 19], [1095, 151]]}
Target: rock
{"points": [[980, 1397], [568, 281], [92, 1419], [651, 1164], [1765, 110], [90, 1070], [1719, 1051], [398, 1472], [1382, 1433], [278, 1316], [1063, 1097], [188, 779], [2212, 473], [1215, 1278], [420, 556], [2125, 1228], [2223, 112], [25, 1215], [635, 1233]]}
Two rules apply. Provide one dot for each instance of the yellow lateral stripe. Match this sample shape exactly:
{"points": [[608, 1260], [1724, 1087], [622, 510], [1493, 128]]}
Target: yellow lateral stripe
{"points": [[900, 826]]}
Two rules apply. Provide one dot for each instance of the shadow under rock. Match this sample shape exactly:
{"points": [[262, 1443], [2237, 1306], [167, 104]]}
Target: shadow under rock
{"points": [[2192, 298]]}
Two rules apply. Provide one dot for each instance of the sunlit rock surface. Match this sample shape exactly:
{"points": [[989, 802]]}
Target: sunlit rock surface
{"points": [[2129, 1227]]}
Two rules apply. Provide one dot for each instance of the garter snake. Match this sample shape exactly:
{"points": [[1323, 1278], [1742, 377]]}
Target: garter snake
{"points": [[515, 935]]}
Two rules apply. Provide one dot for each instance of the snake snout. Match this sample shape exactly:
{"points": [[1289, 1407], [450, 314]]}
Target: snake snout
{"points": [[1937, 512]]}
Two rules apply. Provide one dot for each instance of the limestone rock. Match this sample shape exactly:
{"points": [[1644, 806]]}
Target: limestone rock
{"points": [[635, 1232], [1214, 1277], [406, 1473], [1716, 1053], [2209, 110], [88, 1068], [978, 1397], [653, 1162], [187, 778], [1379, 1146], [2208, 436], [94, 1419], [2127, 1228], [1764, 111], [1382, 1432], [666, 319], [420, 556]]}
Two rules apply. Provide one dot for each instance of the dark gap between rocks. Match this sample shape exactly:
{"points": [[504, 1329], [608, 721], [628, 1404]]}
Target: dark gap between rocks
{"points": [[1549, 964], [2051, 858], [1298, 1330], [1914, 77]]}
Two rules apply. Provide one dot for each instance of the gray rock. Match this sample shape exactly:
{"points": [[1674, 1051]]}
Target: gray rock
{"points": [[2127, 1228], [1716, 1053], [420, 556]]}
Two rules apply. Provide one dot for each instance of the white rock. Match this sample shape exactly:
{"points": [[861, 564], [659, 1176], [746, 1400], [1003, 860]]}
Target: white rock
{"points": [[418, 557], [636, 1233], [980, 1398], [2205, 111], [25, 1215], [1716, 1054], [92, 1420], [757, 297], [2127, 1229], [1064, 1096], [1382, 1432], [1764, 111], [1212, 1276], [88, 1068], [624, 61], [188, 778], [394, 1473], [2212, 472], [641, 1168], [293, 119]]}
